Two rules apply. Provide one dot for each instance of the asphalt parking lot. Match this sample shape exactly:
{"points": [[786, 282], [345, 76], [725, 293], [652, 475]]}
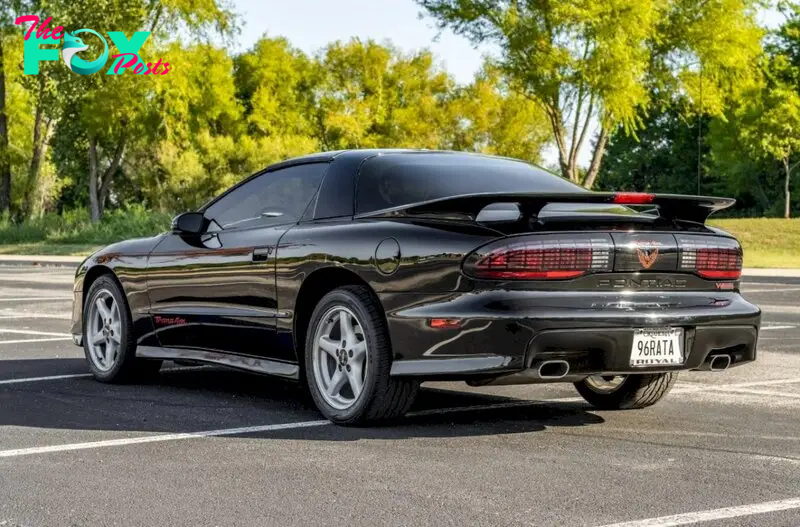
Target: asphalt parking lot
{"points": [[207, 446]]}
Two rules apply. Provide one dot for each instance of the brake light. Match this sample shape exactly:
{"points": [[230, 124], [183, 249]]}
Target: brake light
{"points": [[713, 263], [548, 258], [633, 198]]}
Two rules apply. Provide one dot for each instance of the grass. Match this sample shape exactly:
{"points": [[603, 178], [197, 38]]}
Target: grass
{"points": [[767, 242], [50, 249], [72, 233]]}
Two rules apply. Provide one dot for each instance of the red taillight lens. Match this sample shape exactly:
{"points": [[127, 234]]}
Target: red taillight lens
{"points": [[545, 259], [713, 263], [633, 198]]}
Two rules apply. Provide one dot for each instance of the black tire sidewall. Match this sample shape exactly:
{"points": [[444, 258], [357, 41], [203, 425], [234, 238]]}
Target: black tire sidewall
{"points": [[375, 373], [627, 396], [127, 348]]}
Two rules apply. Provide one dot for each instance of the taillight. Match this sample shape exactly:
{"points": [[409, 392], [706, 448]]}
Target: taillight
{"points": [[714, 259], [633, 198], [546, 257]]}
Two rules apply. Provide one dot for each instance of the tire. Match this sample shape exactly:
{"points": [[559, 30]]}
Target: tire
{"points": [[380, 397], [634, 391], [122, 366]]}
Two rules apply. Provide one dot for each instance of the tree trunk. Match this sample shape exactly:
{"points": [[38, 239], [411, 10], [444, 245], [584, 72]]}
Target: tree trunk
{"points": [[787, 209], [5, 162], [94, 207], [597, 158], [100, 186], [105, 185], [39, 146]]}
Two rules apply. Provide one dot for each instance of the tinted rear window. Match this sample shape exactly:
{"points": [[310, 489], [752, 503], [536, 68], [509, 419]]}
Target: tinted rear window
{"points": [[393, 180]]}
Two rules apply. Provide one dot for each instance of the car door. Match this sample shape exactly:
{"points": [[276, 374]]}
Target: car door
{"points": [[216, 291]]}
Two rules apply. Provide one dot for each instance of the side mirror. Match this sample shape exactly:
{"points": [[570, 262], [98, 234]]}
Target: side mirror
{"points": [[189, 223]]}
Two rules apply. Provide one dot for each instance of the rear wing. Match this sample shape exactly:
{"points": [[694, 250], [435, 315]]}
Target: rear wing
{"points": [[671, 207]]}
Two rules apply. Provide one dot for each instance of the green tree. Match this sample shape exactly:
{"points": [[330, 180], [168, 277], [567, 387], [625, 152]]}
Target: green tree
{"points": [[591, 62], [663, 157], [491, 118], [115, 111], [5, 162], [193, 124], [769, 125], [369, 96]]}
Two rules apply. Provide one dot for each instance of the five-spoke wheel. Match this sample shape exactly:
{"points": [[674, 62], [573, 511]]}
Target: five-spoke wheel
{"points": [[340, 357], [623, 392], [103, 330], [348, 358], [108, 336]]}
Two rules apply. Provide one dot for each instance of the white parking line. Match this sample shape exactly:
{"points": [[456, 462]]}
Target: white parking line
{"points": [[768, 328], [80, 375], [32, 332], [34, 298], [40, 379], [249, 430], [12, 315], [307, 424], [27, 341], [713, 514], [158, 438]]}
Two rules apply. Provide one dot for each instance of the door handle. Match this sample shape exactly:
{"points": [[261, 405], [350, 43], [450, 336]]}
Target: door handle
{"points": [[261, 254]]}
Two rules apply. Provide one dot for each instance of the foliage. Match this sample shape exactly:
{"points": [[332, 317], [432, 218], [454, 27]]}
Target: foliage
{"points": [[656, 78], [76, 227], [749, 151], [586, 61], [496, 120], [663, 158], [767, 242]]}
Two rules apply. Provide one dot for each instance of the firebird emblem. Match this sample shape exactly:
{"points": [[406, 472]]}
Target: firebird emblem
{"points": [[647, 253]]}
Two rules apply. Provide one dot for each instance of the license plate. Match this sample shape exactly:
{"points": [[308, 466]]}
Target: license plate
{"points": [[657, 347]]}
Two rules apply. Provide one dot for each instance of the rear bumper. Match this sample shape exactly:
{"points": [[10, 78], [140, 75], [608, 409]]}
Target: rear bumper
{"points": [[508, 331]]}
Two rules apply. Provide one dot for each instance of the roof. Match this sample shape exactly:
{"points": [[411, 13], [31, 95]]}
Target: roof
{"points": [[323, 157]]}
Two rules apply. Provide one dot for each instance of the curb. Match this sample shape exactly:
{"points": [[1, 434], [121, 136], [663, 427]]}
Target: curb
{"points": [[40, 261], [773, 273]]}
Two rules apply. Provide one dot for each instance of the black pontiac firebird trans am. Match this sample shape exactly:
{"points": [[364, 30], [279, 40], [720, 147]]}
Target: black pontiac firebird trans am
{"points": [[362, 273]]}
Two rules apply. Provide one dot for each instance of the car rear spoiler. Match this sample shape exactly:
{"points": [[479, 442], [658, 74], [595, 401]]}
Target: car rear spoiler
{"points": [[670, 206]]}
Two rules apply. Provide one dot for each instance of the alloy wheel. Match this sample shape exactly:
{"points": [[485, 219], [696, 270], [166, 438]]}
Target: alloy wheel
{"points": [[605, 383], [340, 357], [104, 331]]}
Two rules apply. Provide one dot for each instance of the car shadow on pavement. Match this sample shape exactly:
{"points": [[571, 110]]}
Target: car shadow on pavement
{"points": [[209, 398]]}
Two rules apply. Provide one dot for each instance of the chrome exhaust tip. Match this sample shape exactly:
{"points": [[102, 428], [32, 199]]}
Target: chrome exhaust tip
{"points": [[553, 369], [719, 362]]}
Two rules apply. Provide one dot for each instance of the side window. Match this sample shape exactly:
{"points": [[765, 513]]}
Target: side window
{"points": [[269, 199]]}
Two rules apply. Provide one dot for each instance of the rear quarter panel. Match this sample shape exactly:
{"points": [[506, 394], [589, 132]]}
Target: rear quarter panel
{"points": [[416, 259]]}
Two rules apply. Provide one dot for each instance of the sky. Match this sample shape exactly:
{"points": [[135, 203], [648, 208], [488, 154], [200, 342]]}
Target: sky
{"points": [[311, 24]]}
